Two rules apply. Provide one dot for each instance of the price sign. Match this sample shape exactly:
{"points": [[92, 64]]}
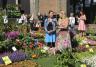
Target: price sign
{"points": [[6, 60], [14, 48]]}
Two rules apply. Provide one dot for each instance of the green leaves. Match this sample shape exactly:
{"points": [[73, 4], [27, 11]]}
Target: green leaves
{"points": [[12, 12], [1, 21], [6, 45], [67, 59]]}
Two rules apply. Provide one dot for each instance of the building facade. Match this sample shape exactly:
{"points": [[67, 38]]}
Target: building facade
{"points": [[43, 6]]}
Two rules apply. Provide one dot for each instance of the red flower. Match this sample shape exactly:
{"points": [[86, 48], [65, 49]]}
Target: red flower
{"points": [[40, 45], [31, 46]]}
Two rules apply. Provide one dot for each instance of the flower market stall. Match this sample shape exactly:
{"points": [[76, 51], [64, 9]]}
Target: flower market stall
{"points": [[21, 48]]}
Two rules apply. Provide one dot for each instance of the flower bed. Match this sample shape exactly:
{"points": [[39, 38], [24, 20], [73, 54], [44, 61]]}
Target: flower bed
{"points": [[14, 57], [84, 43], [32, 45]]}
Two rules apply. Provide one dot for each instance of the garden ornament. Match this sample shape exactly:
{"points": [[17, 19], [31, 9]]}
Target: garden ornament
{"points": [[5, 19]]}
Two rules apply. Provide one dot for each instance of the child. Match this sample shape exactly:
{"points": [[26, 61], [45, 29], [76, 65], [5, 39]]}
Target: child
{"points": [[72, 24], [71, 20], [81, 26]]}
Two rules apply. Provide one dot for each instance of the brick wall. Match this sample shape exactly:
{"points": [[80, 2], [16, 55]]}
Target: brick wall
{"points": [[46, 5], [55, 5]]}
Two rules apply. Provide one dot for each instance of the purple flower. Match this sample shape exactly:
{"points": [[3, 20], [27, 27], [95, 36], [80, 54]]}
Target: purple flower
{"points": [[66, 43], [1, 61], [89, 41], [14, 57], [12, 34], [17, 56]]}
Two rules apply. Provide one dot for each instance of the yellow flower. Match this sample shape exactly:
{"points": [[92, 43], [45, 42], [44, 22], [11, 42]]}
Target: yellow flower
{"points": [[83, 65], [87, 46], [43, 51], [34, 56], [91, 50]]}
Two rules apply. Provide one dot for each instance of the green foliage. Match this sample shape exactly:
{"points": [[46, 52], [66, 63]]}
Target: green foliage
{"points": [[48, 61], [21, 36], [67, 59], [92, 37], [6, 45], [1, 21], [82, 55], [91, 31], [12, 12], [78, 40], [11, 26], [2, 36], [11, 7], [1, 14]]}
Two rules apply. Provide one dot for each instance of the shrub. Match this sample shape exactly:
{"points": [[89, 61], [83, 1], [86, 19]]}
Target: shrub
{"points": [[67, 59]]}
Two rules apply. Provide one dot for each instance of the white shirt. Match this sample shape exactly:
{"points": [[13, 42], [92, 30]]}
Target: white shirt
{"points": [[72, 21]]}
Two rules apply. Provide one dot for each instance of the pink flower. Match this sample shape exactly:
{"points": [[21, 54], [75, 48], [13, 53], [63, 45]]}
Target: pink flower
{"points": [[12, 34], [65, 43]]}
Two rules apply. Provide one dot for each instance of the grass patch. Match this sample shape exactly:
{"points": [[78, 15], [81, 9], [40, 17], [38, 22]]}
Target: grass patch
{"points": [[49, 61]]}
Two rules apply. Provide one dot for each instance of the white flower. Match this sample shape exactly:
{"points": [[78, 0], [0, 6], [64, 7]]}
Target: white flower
{"points": [[45, 48]]}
